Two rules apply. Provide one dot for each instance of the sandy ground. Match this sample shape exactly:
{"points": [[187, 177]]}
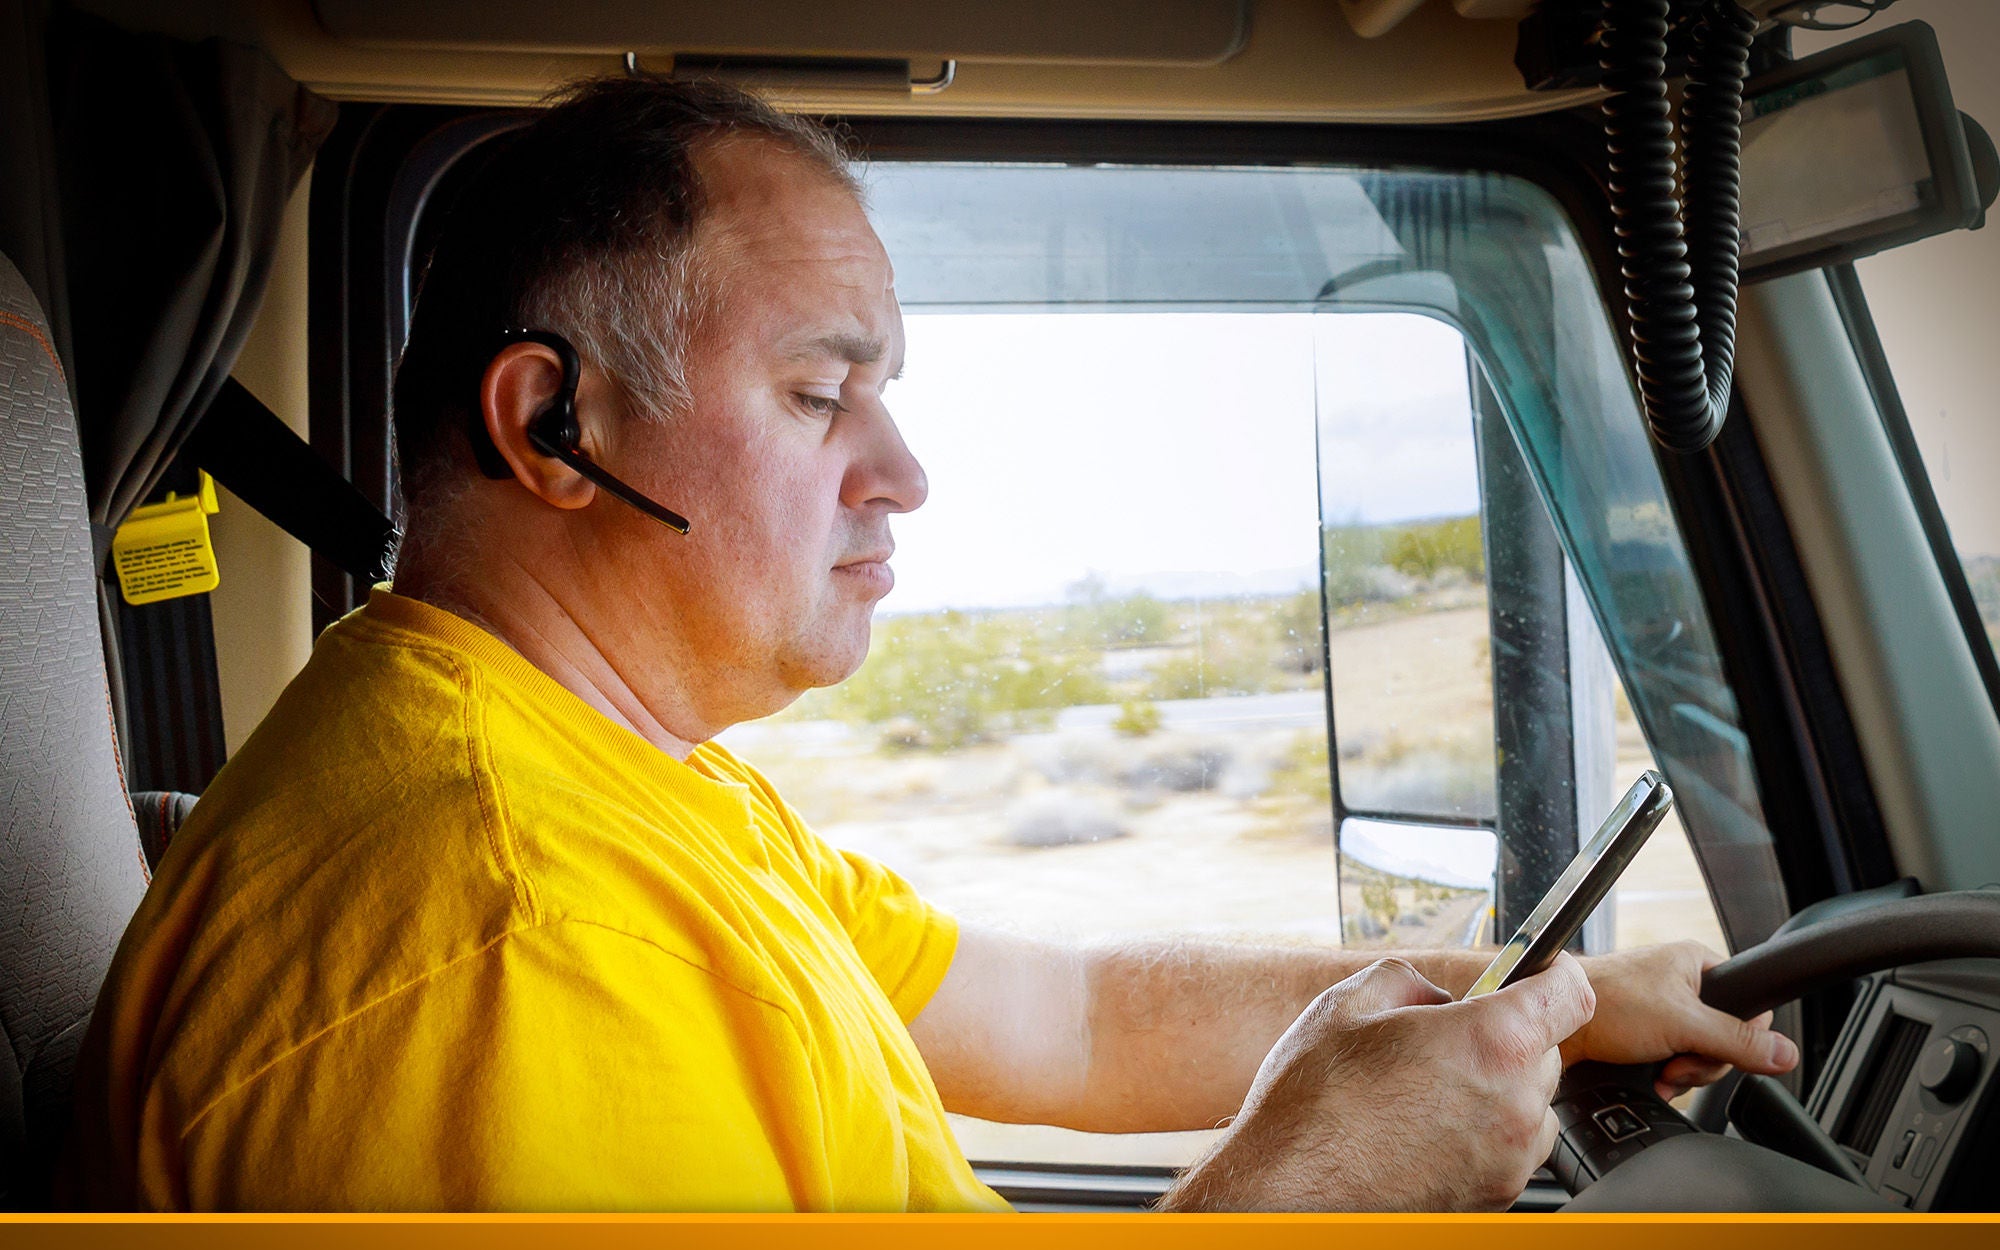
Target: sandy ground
{"points": [[1247, 852]]}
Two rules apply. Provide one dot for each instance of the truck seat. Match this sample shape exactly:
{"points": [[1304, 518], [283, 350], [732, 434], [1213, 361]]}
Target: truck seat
{"points": [[72, 867]]}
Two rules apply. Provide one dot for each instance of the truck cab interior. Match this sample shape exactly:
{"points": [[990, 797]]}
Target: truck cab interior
{"points": [[1307, 555]]}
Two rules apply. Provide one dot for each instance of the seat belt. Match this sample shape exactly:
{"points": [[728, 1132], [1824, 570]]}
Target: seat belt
{"points": [[172, 731], [246, 447]]}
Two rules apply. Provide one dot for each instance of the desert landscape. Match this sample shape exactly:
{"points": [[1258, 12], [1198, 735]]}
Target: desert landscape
{"points": [[1118, 767]]}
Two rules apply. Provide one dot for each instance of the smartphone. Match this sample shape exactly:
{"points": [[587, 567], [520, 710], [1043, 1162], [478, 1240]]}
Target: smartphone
{"points": [[1582, 886]]}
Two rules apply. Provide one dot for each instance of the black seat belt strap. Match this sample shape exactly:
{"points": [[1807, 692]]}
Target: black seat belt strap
{"points": [[245, 446]]}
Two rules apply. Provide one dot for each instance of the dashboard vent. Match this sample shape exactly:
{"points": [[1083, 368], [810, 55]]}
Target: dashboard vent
{"points": [[1881, 1082]]}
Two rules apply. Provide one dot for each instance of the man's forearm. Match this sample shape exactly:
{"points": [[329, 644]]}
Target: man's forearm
{"points": [[1177, 1029]]}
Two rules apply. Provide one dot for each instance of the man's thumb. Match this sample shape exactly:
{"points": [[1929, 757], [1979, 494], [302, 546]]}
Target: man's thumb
{"points": [[1553, 1003], [1384, 985]]}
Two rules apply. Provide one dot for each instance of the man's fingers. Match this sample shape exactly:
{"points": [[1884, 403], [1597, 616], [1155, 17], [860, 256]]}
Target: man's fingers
{"points": [[1747, 1044], [1550, 1074], [1685, 1072], [1545, 1140], [1553, 1003], [1384, 985]]}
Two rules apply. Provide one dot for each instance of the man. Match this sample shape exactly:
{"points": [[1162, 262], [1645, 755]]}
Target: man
{"points": [[481, 917]]}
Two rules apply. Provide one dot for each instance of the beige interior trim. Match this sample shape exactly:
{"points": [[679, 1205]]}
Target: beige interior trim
{"points": [[1301, 62], [1371, 19], [263, 604], [1912, 686]]}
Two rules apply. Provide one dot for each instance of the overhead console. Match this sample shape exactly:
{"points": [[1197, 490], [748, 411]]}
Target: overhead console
{"points": [[1911, 1094]]}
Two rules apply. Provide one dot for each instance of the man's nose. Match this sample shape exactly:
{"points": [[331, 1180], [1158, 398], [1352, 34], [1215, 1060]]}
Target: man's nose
{"points": [[885, 472]]}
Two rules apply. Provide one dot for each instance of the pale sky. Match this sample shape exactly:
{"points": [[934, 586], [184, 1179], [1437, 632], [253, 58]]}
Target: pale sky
{"points": [[1173, 451]]}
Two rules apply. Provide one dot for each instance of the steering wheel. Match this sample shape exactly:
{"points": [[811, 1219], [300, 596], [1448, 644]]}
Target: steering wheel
{"points": [[1622, 1148]]}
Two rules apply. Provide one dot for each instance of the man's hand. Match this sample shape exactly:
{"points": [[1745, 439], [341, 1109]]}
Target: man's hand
{"points": [[1386, 1094], [1649, 1008]]}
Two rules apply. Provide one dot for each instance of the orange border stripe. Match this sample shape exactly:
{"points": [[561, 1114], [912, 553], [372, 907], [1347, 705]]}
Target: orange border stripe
{"points": [[1044, 1232]]}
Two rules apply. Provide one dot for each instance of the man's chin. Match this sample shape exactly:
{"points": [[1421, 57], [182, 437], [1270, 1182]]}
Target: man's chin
{"points": [[852, 665], [836, 659]]}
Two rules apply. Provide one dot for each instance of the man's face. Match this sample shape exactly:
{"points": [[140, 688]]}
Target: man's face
{"points": [[787, 464]]}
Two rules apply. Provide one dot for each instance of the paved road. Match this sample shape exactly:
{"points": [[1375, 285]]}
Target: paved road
{"points": [[1478, 930], [1246, 713], [1296, 709]]}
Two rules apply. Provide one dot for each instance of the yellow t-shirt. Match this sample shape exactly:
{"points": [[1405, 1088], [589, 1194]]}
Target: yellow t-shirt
{"points": [[442, 936]]}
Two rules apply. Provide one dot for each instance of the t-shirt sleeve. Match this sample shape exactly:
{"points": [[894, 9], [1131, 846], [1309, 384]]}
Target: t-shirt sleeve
{"points": [[906, 941], [566, 1067]]}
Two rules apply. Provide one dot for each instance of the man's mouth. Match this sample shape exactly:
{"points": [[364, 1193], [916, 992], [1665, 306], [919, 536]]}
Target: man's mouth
{"points": [[870, 572]]}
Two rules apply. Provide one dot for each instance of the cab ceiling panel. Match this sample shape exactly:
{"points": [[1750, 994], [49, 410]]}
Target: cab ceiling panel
{"points": [[1187, 33], [1239, 60]]}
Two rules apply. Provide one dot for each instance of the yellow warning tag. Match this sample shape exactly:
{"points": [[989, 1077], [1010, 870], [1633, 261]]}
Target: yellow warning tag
{"points": [[163, 550]]}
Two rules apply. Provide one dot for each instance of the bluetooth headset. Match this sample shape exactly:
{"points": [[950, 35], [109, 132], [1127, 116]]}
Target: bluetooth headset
{"points": [[554, 431]]}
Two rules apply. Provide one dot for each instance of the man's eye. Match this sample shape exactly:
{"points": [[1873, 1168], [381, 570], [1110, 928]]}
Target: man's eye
{"points": [[821, 405]]}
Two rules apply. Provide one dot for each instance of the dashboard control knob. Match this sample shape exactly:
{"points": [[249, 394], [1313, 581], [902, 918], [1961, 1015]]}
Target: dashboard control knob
{"points": [[1949, 1068]]}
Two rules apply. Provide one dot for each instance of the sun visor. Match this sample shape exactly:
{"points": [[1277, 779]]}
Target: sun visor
{"points": [[1179, 33]]}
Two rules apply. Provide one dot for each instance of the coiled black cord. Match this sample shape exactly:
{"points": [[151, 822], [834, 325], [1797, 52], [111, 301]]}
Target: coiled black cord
{"points": [[1678, 252]]}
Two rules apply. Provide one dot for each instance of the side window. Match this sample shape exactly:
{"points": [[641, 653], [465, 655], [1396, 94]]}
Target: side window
{"points": [[1095, 703]]}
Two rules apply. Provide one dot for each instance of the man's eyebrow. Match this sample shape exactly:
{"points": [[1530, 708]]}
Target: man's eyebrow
{"points": [[855, 349]]}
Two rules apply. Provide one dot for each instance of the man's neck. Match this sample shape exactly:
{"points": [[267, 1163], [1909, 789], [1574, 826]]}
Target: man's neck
{"points": [[510, 602]]}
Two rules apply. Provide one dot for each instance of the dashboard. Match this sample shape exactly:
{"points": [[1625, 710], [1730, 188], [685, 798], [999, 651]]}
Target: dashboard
{"points": [[1910, 1093]]}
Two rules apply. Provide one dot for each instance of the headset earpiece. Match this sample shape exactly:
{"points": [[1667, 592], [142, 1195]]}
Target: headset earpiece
{"points": [[555, 431]]}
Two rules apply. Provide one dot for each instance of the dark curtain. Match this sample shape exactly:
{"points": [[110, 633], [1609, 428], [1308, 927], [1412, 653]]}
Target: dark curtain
{"points": [[175, 161], [142, 181], [30, 228]]}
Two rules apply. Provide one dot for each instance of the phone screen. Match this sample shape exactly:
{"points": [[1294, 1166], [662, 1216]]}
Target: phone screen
{"points": [[1581, 887]]}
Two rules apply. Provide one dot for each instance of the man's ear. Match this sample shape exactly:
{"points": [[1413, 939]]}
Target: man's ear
{"points": [[519, 383]]}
